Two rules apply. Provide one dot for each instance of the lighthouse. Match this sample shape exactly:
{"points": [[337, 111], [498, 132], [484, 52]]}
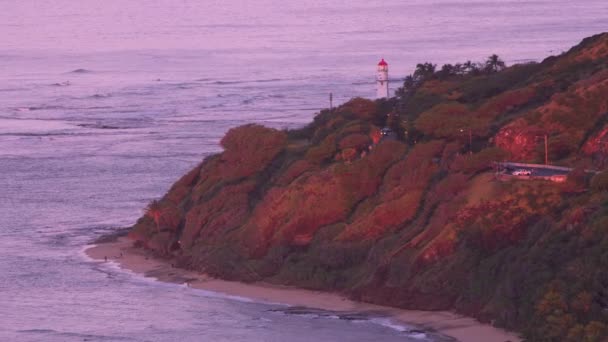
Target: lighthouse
{"points": [[382, 80]]}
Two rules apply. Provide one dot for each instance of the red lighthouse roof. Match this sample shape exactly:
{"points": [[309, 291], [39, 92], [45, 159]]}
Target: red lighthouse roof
{"points": [[382, 63]]}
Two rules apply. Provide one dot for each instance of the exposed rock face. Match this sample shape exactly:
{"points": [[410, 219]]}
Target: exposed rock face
{"points": [[420, 224], [566, 119], [597, 145], [520, 140]]}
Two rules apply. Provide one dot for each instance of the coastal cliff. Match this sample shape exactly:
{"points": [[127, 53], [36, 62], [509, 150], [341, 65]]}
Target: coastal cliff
{"points": [[418, 218]]}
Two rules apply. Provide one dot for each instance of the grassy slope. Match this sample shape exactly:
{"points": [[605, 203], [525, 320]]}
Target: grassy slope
{"points": [[418, 223]]}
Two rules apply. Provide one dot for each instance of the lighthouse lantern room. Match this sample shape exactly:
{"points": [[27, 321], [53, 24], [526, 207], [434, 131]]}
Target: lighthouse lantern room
{"points": [[382, 80]]}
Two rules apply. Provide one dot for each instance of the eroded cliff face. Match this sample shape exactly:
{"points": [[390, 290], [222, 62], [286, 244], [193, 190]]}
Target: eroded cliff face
{"points": [[418, 222]]}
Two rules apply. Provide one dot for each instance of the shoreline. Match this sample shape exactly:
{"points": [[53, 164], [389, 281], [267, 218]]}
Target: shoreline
{"points": [[445, 323]]}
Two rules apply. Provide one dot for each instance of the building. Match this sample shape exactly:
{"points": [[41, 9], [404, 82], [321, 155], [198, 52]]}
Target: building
{"points": [[382, 80]]}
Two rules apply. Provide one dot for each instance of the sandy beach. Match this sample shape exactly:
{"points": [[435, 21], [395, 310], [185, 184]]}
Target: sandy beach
{"points": [[462, 328]]}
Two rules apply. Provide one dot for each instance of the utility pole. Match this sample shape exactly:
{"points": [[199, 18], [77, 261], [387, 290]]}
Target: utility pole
{"points": [[470, 142], [331, 101], [546, 150]]}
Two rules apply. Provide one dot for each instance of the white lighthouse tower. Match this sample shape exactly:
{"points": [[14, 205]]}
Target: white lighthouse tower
{"points": [[382, 80]]}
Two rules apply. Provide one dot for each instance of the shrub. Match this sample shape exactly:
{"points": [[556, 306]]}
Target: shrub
{"points": [[505, 102], [360, 108], [243, 137], [384, 217], [294, 170], [322, 152], [452, 121], [577, 181], [348, 154], [249, 149], [478, 88], [356, 141], [225, 210], [477, 162], [599, 182]]}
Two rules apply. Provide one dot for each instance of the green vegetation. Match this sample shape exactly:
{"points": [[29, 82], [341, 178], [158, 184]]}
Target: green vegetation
{"points": [[419, 222]]}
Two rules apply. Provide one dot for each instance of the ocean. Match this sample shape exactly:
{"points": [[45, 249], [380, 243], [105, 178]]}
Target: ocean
{"points": [[103, 105]]}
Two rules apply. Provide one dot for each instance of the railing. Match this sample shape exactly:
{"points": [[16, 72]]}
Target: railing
{"points": [[541, 166], [537, 166]]}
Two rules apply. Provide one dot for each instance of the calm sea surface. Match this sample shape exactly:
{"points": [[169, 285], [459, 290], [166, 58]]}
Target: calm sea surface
{"points": [[103, 104]]}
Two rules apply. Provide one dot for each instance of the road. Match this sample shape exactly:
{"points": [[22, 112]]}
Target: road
{"points": [[538, 170]]}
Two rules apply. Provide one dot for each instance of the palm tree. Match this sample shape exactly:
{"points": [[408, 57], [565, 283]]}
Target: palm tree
{"points": [[469, 67], [155, 211], [494, 64], [446, 71], [459, 69]]}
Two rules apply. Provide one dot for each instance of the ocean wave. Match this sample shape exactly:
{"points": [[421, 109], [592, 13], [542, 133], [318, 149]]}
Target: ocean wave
{"points": [[410, 331], [389, 323], [256, 98], [227, 82], [220, 295], [48, 107], [229, 95], [249, 81], [136, 93], [126, 111], [91, 108], [37, 331], [214, 106], [179, 85], [40, 135], [6, 90], [83, 336], [35, 108], [362, 317], [321, 313], [81, 71], [61, 84], [100, 96], [116, 267], [98, 126], [267, 80]]}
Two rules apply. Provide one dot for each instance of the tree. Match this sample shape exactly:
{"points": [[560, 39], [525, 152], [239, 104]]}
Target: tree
{"points": [[155, 211], [494, 64], [594, 331], [470, 68], [424, 71], [555, 320], [459, 69], [409, 85], [446, 71]]}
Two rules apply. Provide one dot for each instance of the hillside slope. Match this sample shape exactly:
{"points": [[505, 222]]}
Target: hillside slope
{"points": [[420, 221]]}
